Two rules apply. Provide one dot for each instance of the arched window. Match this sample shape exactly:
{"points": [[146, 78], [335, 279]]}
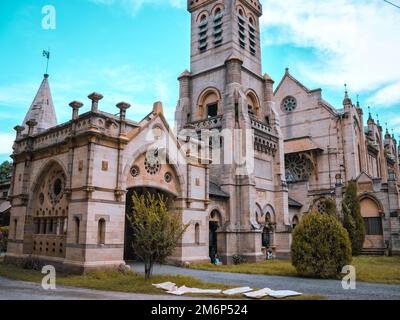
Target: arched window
{"points": [[295, 222], [242, 29], [218, 27], [197, 234], [101, 235], [203, 28], [209, 103], [252, 104], [76, 230], [252, 36]]}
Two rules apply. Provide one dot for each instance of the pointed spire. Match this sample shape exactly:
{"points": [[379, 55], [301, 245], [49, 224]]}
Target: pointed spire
{"points": [[358, 101], [42, 109], [346, 100]]}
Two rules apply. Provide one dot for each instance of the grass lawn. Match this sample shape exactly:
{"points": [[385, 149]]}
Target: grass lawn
{"points": [[116, 281], [369, 269]]}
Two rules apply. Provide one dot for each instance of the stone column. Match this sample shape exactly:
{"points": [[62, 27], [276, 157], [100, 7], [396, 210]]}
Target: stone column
{"points": [[31, 126], [75, 105], [19, 130], [95, 97], [123, 106]]}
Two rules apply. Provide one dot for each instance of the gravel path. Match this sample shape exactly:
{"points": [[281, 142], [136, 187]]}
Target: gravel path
{"points": [[19, 290], [331, 289]]}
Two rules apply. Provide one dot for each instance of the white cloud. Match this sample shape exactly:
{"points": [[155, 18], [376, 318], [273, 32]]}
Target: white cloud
{"points": [[7, 141], [133, 6], [356, 41], [386, 96]]}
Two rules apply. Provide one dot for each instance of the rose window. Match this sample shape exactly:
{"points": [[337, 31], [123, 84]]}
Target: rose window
{"points": [[152, 162], [289, 104], [298, 168]]}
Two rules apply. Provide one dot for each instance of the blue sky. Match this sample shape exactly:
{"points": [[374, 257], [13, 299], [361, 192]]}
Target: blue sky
{"points": [[133, 50]]}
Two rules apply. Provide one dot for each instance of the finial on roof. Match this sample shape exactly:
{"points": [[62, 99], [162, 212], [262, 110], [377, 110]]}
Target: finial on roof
{"points": [[358, 101], [346, 100], [286, 70]]}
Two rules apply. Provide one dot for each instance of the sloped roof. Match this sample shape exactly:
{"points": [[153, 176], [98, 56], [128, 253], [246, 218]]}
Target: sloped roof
{"points": [[42, 109], [294, 204], [300, 145], [216, 191], [4, 206]]}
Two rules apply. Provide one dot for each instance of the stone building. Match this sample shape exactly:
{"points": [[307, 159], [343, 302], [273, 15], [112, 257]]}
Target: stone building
{"points": [[222, 168], [325, 147], [73, 182]]}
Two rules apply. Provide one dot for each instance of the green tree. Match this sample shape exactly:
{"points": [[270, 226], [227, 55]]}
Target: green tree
{"points": [[320, 246], [3, 239], [5, 170], [156, 231], [354, 226], [330, 206]]}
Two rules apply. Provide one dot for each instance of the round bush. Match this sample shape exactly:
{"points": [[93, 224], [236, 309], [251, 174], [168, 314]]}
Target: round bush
{"points": [[320, 247]]}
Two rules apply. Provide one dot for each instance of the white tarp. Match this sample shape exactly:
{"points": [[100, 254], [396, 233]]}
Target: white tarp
{"points": [[258, 294], [279, 294], [167, 286], [183, 290], [234, 291], [284, 294]]}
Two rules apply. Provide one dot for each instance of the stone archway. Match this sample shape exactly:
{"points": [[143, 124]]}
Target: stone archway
{"points": [[215, 222], [371, 212], [48, 208], [129, 253]]}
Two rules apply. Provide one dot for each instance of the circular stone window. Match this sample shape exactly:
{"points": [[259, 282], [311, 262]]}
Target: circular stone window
{"points": [[152, 163], [135, 171], [57, 187], [289, 104], [168, 177]]}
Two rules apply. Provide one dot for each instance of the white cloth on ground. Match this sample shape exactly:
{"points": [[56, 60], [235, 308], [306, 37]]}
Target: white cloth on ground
{"points": [[183, 290], [167, 286], [234, 291]]}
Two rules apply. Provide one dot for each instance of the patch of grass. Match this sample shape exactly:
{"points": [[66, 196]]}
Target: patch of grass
{"points": [[269, 267], [368, 269], [117, 281], [378, 269]]}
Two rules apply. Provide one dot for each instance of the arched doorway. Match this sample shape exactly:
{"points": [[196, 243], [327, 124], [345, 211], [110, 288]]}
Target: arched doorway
{"points": [[371, 213], [214, 224], [129, 253]]}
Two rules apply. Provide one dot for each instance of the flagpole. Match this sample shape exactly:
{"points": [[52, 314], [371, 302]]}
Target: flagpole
{"points": [[48, 59]]}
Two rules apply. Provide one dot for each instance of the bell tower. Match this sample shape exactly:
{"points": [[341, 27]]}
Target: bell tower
{"points": [[220, 29], [225, 92]]}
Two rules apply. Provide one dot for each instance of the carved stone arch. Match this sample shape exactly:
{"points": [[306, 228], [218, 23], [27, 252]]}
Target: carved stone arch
{"points": [[250, 17], [215, 213], [239, 8], [42, 171], [201, 14], [253, 101], [269, 210], [207, 92], [259, 214], [216, 7], [208, 96], [180, 183], [374, 199]]}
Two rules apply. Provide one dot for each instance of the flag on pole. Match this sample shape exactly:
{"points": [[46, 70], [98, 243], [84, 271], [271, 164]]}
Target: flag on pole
{"points": [[46, 54]]}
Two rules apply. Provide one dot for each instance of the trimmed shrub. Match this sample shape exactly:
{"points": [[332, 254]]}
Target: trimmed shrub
{"points": [[320, 247], [3, 239], [330, 206], [355, 226]]}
